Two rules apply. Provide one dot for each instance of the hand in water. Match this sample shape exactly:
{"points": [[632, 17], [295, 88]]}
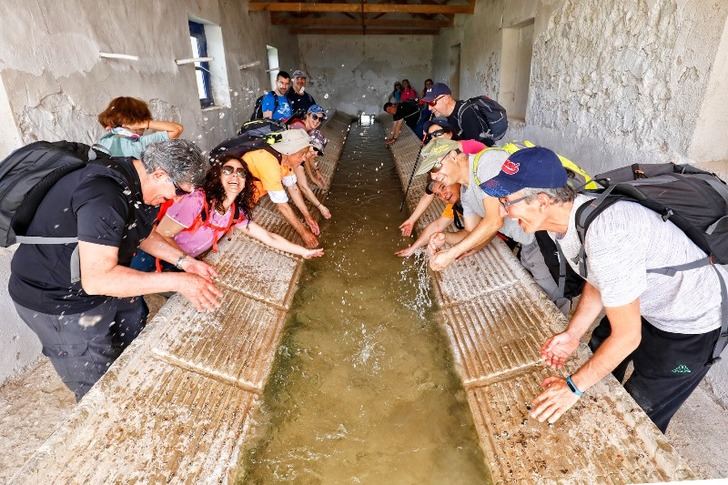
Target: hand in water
{"points": [[406, 227], [325, 212], [203, 294], [309, 240], [313, 253], [313, 225], [406, 252]]}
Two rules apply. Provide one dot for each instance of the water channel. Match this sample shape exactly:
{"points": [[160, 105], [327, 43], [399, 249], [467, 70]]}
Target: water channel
{"points": [[363, 390]]}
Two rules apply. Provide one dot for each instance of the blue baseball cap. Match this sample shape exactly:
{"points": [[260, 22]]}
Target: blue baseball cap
{"points": [[535, 168], [436, 90], [316, 109]]}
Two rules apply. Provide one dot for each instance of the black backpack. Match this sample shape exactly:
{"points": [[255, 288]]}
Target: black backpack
{"points": [[258, 109], [261, 128], [26, 176], [695, 201], [491, 115], [239, 145]]}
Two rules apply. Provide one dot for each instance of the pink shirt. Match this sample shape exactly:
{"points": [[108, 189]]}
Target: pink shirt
{"points": [[408, 95], [185, 211], [471, 147]]}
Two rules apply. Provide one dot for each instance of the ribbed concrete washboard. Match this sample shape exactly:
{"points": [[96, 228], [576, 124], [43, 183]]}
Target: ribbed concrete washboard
{"points": [[176, 406], [496, 318]]}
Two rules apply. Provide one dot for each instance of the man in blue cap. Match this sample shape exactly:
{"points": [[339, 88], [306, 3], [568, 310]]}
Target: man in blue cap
{"points": [[666, 325]]}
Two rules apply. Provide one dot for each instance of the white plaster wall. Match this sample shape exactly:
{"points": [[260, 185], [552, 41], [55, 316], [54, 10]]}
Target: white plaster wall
{"points": [[357, 73], [612, 83], [55, 84]]}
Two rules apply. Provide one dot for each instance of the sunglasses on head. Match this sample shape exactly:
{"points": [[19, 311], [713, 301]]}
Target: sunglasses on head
{"points": [[228, 170]]}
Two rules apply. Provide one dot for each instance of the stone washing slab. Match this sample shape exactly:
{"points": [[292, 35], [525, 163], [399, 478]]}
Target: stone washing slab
{"points": [[258, 271], [604, 438], [274, 222], [236, 343], [499, 334], [149, 423], [490, 269]]}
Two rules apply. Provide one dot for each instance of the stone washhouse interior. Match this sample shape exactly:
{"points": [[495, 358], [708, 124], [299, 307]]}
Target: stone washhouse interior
{"points": [[359, 366]]}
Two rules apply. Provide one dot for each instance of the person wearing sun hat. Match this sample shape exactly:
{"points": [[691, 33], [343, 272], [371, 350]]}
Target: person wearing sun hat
{"points": [[275, 171], [666, 325], [448, 164], [309, 169]]}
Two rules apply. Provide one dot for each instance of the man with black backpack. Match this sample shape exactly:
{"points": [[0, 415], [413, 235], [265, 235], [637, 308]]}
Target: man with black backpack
{"points": [[70, 279], [664, 299], [479, 118], [274, 105]]}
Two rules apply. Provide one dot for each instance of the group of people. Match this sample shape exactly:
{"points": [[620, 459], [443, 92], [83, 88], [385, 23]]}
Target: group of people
{"points": [[666, 323], [145, 212]]}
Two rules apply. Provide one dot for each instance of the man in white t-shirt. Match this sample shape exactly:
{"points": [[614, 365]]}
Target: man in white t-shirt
{"points": [[666, 325]]}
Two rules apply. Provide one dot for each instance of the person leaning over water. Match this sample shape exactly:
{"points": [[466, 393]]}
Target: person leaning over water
{"points": [[666, 325], [85, 325], [125, 120], [453, 213], [311, 122], [437, 128], [196, 222]]}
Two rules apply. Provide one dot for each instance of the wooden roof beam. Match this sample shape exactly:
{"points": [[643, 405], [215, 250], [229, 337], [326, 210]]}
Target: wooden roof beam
{"points": [[369, 31], [359, 8], [377, 22]]}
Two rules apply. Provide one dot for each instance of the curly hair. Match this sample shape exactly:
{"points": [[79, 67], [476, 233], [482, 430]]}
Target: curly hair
{"points": [[124, 110], [215, 191]]}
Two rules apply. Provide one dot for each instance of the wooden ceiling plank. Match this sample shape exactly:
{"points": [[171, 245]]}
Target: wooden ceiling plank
{"points": [[376, 22], [369, 31], [358, 8]]}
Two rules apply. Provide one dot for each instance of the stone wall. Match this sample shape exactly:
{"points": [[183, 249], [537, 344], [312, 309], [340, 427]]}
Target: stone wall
{"points": [[611, 82], [355, 73], [56, 83]]}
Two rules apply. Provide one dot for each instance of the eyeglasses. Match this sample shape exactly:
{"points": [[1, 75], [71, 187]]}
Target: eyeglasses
{"points": [[438, 164], [178, 191], [506, 204], [228, 170], [434, 101]]}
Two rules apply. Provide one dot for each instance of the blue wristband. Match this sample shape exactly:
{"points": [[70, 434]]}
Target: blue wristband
{"points": [[572, 387]]}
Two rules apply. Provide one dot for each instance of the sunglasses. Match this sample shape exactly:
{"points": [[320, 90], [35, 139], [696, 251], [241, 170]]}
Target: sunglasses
{"points": [[318, 117], [437, 133], [506, 204], [434, 101], [179, 191], [228, 170]]}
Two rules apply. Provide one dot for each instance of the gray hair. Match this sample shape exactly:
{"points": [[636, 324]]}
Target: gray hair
{"points": [[559, 195], [181, 159]]}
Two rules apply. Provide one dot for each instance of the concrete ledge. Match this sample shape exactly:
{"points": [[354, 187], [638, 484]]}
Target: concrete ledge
{"points": [[176, 406], [496, 318]]}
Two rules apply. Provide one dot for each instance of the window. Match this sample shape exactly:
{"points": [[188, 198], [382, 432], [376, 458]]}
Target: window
{"points": [[273, 67], [516, 69], [202, 69]]}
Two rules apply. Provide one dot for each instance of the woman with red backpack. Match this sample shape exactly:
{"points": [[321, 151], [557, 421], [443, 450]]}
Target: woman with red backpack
{"points": [[197, 221]]}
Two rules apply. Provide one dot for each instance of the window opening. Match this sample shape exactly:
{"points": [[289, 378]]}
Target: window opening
{"points": [[273, 67], [202, 69]]}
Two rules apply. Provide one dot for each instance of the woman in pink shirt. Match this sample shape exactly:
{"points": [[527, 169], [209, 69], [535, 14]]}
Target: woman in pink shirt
{"points": [[408, 92], [197, 221]]}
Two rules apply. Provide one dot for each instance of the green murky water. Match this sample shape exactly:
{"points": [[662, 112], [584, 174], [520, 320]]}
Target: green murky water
{"points": [[363, 390]]}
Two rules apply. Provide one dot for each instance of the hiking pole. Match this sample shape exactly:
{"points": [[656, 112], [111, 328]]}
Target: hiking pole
{"points": [[414, 169]]}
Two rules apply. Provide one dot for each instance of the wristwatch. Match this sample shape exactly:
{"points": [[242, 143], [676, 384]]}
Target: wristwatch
{"points": [[178, 264]]}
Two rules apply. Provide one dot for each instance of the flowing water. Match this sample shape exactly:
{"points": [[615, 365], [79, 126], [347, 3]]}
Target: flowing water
{"points": [[363, 389]]}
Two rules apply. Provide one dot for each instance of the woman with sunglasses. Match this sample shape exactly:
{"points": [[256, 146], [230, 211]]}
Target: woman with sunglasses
{"points": [[437, 128], [197, 221]]}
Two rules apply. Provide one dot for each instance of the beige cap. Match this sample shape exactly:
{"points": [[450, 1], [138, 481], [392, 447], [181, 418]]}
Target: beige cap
{"points": [[433, 152], [292, 141]]}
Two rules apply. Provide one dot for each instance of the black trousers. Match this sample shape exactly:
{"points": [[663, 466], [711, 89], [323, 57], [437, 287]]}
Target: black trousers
{"points": [[82, 346], [667, 368]]}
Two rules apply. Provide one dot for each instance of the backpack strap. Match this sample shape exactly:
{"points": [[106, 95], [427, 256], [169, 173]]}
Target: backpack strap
{"points": [[583, 218], [562, 269]]}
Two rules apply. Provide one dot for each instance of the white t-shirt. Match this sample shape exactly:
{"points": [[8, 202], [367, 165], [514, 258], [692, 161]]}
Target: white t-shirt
{"points": [[627, 239], [471, 195]]}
